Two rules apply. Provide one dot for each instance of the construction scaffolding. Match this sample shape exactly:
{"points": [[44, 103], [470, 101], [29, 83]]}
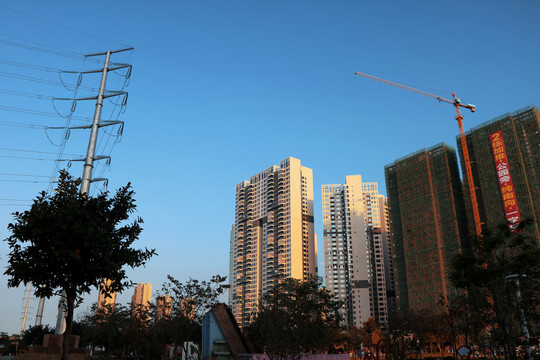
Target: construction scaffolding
{"points": [[428, 222], [520, 132]]}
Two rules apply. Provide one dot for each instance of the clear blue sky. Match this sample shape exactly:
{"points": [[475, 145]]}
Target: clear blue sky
{"points": [[223, 89]]}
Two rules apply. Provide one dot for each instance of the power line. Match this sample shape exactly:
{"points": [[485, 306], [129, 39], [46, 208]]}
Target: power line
{"points": [[35, 67], [47, 51], [45, 81], [62, 145], [26, 175], [62, 26], [20, 93], [26, 158], [37, 152], [21, 125], [41, 113], [26, 181]]}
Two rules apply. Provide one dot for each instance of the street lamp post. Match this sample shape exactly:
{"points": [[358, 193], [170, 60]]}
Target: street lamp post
{"points": [[515, 279]]}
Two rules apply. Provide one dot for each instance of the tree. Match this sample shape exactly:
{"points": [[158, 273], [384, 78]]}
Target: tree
{"points": [[190, 302], [121, 330], [351, 340], [7, 346], [118, 329], [68, 242], [295, 317], [34, 335], [368, 330], [399, 336], [482, 271], [144, 331]]}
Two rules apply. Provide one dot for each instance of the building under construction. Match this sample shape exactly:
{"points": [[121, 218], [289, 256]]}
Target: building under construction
{"points": [[428, 224], [505, 161]]}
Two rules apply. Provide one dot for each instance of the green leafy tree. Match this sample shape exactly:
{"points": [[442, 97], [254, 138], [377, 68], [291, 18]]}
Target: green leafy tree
{"points": [[294, 318], [190, 302], [68, 242], [399, 336], [139, 333], [413, 332], [491, 298], [431, 330], [83, 331], [370, 333], [118, 329], [6, 344], [34, 335], [351, 340], [109, 325], [143, 332]]}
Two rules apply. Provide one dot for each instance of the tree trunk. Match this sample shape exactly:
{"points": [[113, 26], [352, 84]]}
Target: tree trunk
{"points": [[70, 299]]}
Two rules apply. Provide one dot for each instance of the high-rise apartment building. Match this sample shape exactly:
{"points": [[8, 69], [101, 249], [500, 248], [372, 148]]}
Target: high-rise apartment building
{"points": [[357, 252], [142, 296], [103, 301], [231, 262], [505, 161], [273, 234], [428, 224], [188, 307], [163, 306]]}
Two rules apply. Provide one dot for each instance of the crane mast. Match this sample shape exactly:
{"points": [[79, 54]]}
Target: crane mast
{"points": [[466, 159]]}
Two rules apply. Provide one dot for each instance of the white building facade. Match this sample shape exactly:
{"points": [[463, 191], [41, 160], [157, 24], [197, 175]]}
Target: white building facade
{"points": [[357, 251]]}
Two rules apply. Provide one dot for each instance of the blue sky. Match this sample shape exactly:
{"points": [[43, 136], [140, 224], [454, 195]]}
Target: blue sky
{"points": [[221, 90]]}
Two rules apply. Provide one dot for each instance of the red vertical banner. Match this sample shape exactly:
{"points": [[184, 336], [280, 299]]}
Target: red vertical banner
{"points": [[505, 180]]}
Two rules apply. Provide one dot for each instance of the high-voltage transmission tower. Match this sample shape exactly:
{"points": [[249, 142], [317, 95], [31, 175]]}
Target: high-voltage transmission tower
{"points": [[457, 104], [91, 150]]}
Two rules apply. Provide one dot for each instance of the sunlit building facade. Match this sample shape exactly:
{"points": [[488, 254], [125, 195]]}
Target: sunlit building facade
{"points": [[188, 308], [231, 261], [142, 296], [163, 307], [357, 251], [273, 234], [105, 302]]}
